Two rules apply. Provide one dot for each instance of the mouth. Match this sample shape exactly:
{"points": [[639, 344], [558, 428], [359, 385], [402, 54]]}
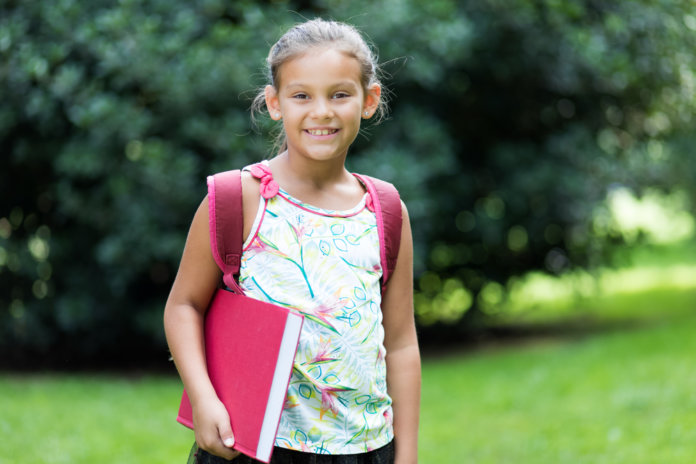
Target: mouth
{"points": [[319, 132]]}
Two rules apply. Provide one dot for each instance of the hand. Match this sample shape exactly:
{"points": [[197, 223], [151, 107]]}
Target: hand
{"points": [[212, 429]]}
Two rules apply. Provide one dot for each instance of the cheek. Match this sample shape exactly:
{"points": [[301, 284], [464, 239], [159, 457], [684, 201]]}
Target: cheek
{"points": [[352, 111]]}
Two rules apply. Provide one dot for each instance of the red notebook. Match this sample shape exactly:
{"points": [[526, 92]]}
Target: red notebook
{"points": [[250, 348]]}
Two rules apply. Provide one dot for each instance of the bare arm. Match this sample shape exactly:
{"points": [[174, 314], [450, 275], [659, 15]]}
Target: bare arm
{"points": [[184, 314], [403, 355]]}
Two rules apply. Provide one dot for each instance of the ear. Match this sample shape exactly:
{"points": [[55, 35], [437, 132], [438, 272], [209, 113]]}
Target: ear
{"points": [[371, 103], [272, 102]]}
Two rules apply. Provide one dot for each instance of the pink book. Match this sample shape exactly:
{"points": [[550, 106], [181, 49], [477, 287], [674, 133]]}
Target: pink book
{"points": [[250, 348]]}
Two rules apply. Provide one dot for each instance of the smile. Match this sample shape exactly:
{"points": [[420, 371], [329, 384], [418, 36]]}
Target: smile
{"points": [[322, 131]]}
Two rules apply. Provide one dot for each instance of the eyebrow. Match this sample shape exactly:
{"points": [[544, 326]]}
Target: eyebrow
{"points": [[343, 84]]}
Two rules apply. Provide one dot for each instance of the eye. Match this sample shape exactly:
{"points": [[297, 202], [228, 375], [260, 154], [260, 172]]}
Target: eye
{"points": [[341, 95], [301, 96]]}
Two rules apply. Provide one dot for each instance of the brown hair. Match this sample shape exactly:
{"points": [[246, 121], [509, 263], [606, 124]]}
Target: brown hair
{"points": [[320, 33]]}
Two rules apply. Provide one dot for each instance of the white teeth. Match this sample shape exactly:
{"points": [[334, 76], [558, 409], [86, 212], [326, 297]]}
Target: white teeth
{"points": [[321, 132]]}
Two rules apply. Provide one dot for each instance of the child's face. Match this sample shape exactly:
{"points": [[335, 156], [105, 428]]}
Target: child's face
{"points": [[322, 101]]}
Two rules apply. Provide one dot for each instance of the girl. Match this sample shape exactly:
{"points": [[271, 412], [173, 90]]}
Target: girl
{"points": [[311, 242]]}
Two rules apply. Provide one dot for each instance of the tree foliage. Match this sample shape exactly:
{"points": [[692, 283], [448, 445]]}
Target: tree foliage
{"points": [[510, 122]]}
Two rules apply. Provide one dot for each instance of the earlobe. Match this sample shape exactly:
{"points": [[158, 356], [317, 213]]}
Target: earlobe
{"points": [[372, 97], [272, 103]]}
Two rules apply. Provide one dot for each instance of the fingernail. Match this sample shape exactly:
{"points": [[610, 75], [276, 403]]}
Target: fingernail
{"points": [[229, 442]]}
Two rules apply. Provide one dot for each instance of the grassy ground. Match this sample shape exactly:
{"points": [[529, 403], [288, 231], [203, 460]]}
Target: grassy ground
{"points": [[622, 392], [620, 396], [90, 419], [613, 397]]}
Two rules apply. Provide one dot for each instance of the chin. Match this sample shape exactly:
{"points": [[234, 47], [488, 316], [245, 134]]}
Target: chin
{"points": [[323, 155]]}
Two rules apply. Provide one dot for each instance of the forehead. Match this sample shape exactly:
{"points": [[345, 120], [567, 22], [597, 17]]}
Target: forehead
{"points": [[321, 66]]}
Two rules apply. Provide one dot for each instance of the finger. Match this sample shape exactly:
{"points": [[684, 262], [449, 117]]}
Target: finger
{"points": [[226, 453], [226, 434], [217, 448], [213, 444]]}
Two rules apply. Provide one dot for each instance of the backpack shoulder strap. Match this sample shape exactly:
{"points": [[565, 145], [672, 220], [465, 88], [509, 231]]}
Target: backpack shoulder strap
{"points": [[226, 221], [387, 207]]}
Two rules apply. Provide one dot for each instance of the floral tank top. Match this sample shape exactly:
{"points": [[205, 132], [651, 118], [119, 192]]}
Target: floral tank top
{"points": [[326, 266]]}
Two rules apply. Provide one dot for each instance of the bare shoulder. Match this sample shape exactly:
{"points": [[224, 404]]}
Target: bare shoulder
{"points": [[250, 184], [199, 224], [406, 234], [404, 211], [404, 262], [198, 274], [250, 200]]}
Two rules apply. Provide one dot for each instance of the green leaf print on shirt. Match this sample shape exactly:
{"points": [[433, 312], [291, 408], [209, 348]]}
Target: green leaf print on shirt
{"points": [[262, 244], [319, 315]]}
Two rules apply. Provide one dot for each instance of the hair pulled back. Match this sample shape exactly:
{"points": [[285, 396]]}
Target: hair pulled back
{"points": [[318, 33]]}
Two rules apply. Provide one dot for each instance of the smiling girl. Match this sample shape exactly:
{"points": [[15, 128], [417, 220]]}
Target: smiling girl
{"points": [[312, 242]]}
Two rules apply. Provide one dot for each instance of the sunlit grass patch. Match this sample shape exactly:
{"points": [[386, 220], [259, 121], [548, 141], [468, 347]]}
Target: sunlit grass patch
{"points": [[614, 397], [90, 419], [656, 272]]}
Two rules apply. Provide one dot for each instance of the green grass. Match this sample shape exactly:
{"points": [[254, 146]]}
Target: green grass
{"points": [[616, 397], [640, 287], [90, 419], [622, 392]]}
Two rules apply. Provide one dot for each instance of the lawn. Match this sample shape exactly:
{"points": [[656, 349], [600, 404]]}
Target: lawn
{"points": [[624, 392], [618, 396], [90, 419]]}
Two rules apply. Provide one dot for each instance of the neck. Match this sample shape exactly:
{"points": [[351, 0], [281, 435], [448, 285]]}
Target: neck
{"points": [[317, 175]]}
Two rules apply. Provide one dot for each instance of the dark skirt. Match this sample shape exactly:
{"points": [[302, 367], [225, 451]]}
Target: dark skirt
{"points": [[384, 455]]}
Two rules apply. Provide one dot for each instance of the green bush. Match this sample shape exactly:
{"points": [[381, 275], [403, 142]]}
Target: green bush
{"points": [[510, 122]]}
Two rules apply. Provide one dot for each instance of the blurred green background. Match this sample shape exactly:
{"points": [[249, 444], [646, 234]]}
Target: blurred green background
{"points": [[545, 150]]}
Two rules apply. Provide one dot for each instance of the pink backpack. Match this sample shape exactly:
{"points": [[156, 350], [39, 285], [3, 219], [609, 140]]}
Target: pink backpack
{"points": [[227, 222]]}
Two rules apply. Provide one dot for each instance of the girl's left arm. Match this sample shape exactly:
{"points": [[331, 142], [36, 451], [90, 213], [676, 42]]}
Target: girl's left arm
{"points": [[403, 355]]}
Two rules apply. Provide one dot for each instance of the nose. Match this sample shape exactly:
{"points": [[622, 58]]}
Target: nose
{"points": [[322, 109]]}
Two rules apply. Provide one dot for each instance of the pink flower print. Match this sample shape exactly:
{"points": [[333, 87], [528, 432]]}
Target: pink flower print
{"points": [[269, 188], [291, 402], [304, 448], [387, 415], [299, 230], [324, 311], [322, 355], [321, 314], [329, 396], [261, 244], [380, 355]]}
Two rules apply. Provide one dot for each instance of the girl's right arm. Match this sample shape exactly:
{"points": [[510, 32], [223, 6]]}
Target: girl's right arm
{"points": [[184, 313]]}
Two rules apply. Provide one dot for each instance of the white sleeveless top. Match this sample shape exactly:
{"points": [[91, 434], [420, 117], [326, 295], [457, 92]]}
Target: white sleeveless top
{"points": [[325, 265]]}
